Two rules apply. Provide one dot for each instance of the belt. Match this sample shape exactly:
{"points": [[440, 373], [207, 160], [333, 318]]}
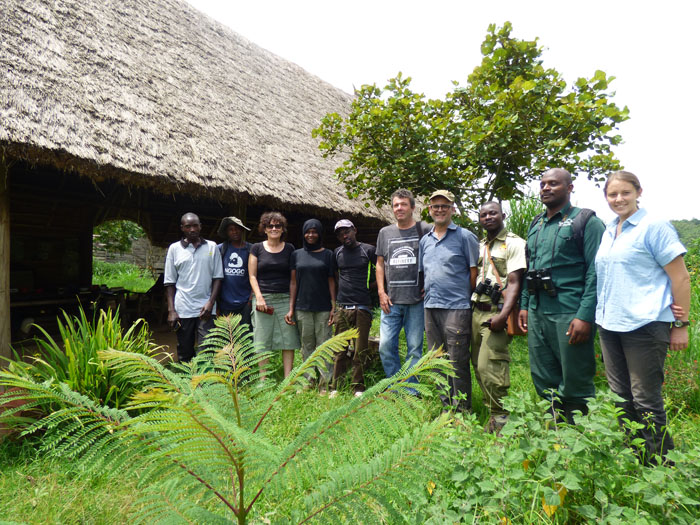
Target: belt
{"points": [[486, 307]]}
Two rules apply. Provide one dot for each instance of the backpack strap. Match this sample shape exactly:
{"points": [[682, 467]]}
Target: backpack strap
{"points": [[532, 225], [578, 226]]}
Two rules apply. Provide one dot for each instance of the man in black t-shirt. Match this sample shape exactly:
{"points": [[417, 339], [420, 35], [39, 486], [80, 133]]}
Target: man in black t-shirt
{"points": [[353, 261]]}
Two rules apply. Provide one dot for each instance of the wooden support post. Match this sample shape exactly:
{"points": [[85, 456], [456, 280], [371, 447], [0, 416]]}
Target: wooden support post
{"points": [[85, 250], [5, 332]]}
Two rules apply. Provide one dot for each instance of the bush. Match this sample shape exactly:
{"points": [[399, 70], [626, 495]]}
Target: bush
{"points": [[539, 472], [75, 363]]}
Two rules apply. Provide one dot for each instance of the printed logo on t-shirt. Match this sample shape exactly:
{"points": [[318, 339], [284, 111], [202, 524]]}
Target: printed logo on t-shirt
{"points": [[404, 256], [234, 266]]}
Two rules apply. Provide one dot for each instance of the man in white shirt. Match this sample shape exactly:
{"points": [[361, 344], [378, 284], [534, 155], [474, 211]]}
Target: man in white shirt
{"points": [[193, 275]]}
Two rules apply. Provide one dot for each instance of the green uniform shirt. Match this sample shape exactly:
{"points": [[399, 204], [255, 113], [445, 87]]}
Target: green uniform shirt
{"points": [[551, 244]]}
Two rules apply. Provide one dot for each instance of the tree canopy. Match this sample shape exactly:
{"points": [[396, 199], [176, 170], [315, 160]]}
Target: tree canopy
{"points": [[511, 121]]}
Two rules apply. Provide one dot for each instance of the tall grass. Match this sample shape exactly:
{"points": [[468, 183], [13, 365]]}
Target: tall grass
{"points": [[121, 275], [522, 211]]}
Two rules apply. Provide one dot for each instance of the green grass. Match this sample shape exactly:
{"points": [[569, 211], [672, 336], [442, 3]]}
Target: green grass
{"points": [[40, 489], [121, 275]]}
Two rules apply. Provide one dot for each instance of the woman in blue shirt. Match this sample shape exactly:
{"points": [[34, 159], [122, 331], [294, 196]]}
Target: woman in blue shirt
{"points": [[641, 274]]}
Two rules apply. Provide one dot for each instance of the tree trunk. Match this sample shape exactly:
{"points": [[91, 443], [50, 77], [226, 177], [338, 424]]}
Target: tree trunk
{"points": [[4, 259]]}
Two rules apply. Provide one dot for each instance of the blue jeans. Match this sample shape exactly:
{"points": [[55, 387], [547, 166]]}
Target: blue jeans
{"points": [[410, 317]]}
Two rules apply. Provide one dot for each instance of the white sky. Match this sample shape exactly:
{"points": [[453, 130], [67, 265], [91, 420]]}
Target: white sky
{"points": [[650, 47]]}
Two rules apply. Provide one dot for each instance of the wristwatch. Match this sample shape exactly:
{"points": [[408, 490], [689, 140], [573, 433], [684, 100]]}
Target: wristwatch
{"points": [[680, 324]]}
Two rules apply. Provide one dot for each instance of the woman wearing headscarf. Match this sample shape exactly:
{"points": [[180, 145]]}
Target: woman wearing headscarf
{"points": [[640, 276], [313, 271], [270, 273]]}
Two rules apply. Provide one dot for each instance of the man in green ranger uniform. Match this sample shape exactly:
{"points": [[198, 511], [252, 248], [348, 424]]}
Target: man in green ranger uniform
{"points": [[557, 306]]}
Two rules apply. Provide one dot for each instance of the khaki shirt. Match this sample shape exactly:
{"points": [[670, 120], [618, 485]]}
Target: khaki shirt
{"points": [[508, 255]]}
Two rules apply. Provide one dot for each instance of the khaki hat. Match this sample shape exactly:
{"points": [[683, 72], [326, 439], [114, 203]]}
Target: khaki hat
{"points": [[227, 221], [442, 193]]}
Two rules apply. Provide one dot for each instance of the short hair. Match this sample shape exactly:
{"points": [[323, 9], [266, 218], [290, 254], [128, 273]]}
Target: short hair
{"points": [[488, 203], [561, 171], [189, 215], [267, 218], [624, 176], [403, 193]]}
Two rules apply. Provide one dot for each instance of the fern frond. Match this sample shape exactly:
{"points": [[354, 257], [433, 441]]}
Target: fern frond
{"points": [[141, 370]]}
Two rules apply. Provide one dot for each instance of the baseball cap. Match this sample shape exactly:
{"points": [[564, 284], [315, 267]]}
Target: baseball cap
{"points": [[343, 223], [442, 193]]}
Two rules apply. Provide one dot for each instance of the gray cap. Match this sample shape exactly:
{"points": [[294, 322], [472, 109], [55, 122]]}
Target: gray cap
{"points": [[227, 221], [343, 223], [442, 193]]}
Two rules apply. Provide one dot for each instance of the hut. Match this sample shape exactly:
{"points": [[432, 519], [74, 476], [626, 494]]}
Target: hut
{"points": [[145, 109]]}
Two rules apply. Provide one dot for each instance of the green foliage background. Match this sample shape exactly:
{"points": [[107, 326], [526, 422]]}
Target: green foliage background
{"points": [[512, 120]]}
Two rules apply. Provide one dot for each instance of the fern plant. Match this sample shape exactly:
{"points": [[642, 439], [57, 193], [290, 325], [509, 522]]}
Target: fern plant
{"points": [[196, 436]]}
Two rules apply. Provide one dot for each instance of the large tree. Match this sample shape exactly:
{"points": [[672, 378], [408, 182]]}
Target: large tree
{"points": [[512, 120]]}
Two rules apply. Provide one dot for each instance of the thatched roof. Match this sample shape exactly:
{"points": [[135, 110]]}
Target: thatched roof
{"points": [[157, 94]]}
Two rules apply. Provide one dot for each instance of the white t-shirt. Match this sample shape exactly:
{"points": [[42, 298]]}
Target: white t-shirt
{"points": [[192, 272]]}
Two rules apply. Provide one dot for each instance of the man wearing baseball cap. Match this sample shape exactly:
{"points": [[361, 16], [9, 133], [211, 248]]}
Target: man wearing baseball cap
{"points": [[235, 289], [448, 258], [353, 262]]}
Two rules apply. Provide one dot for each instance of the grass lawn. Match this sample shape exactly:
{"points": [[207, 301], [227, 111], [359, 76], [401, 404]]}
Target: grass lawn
{"points": [[39, 489]]}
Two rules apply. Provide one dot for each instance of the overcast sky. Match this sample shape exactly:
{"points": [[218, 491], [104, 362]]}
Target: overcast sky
{"points": [[650, 47]]}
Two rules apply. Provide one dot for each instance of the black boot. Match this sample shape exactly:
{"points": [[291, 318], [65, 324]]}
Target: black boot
{"points": [[569, 409]]}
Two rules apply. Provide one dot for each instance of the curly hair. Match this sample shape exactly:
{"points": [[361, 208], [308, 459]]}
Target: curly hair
{"points": [[270, 216]]}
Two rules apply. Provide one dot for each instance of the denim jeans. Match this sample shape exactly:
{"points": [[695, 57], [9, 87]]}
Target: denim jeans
{"points": [[410, 318]]}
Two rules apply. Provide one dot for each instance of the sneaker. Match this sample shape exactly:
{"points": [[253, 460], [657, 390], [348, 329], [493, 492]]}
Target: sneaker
{"points": [[358, 394], [333, 394]]}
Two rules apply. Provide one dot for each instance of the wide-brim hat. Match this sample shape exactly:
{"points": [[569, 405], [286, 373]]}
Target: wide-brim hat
{"points": [[227, 221]]}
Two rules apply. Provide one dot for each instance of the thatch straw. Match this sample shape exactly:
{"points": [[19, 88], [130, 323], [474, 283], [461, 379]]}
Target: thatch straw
{"points": [[158, 94]]}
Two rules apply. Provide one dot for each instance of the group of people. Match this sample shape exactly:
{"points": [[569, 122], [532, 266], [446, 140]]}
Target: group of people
{"points": [[571, 275]]}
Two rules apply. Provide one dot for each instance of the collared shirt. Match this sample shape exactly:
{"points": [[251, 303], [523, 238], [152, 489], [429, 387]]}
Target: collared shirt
{"points": [[633, 287], [446, 265], [192, 271], [508, 255], [552, 245]]}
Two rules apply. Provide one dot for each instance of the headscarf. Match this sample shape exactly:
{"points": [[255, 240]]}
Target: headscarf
{"points": [[315, 224]]}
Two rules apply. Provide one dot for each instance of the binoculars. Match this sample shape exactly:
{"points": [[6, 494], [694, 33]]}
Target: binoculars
{"points": [[492, 290], [540, 280]]}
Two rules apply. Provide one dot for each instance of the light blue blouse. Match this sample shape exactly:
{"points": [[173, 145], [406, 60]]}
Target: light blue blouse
{"points": [[633, 287]]}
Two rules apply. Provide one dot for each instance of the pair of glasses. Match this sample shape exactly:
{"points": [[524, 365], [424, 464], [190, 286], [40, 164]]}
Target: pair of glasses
{"points": [[440, 207], [274, 226]]}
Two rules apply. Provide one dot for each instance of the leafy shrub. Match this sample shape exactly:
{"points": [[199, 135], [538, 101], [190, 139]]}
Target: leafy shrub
{"points": [[74, 361], [541, 472], [117, 236], [195, 437]]}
